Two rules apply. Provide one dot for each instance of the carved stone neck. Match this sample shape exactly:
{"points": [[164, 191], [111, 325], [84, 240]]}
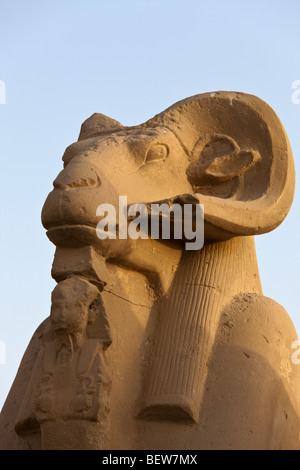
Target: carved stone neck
{"points": [[204, 283]]}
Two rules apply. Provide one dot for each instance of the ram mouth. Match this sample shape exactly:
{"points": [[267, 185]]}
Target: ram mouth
{"points": [[72, 236]]}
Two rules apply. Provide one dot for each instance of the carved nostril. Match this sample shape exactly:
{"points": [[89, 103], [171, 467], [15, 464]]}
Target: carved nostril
{"points": [[76, 176]]}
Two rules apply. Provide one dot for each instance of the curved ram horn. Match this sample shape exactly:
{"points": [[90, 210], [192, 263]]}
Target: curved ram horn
{"points": [[234, 136]]}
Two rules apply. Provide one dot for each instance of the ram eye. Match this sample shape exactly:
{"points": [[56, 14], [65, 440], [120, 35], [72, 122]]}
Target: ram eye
{"points": [[157, 152]]}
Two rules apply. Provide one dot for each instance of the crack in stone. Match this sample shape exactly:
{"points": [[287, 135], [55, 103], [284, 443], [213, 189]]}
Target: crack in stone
{"points": [[123, 298]]}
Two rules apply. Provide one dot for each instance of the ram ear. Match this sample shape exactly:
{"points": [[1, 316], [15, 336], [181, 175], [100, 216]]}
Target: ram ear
{"points": [[241, 165], [221, 160]]}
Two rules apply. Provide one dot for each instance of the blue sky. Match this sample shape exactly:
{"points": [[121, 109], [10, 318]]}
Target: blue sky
{"points": [[61, 61]]}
